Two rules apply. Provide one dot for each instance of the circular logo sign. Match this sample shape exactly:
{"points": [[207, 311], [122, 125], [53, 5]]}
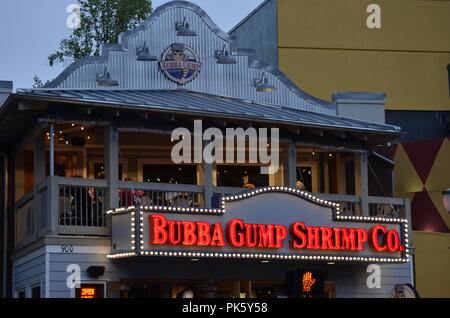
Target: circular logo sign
{"points": [[180, 63]]}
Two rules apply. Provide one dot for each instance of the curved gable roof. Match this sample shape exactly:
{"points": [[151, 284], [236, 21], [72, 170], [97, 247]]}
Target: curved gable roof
{"points": [[158, 30]]}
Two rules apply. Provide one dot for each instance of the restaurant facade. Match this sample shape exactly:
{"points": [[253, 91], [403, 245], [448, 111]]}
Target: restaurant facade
{"points": [[101, 201]]}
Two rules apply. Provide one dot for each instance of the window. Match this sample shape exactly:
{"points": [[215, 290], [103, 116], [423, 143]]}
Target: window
{"points": [[36, 291], [304, 175], [177, 174], [99, 170], [239, 176], [22, 293]]}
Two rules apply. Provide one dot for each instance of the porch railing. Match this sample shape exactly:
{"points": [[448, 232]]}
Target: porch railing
{"points": [[161, 194], [72, 206]]}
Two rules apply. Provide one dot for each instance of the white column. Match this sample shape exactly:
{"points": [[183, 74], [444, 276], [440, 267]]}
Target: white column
{"points": [[207, 174], [112, 167], [362, 182], [39, 159], [52, 150], [290, 165]]}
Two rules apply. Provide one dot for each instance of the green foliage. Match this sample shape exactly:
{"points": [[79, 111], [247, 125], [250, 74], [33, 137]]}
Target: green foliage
{"points": [[37, 82], [101, 21]]}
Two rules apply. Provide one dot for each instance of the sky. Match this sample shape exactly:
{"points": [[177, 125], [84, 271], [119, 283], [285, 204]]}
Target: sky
{"points": [[31, 30]]}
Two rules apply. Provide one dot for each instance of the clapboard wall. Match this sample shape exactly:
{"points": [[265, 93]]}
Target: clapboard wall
{"points": [[350, 279]]}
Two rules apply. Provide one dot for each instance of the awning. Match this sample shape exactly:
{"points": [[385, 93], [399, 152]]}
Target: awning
{"points": [[189, 103]]}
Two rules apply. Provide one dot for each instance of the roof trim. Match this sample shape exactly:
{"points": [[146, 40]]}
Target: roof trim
{"points": [[248, 16], [159, 107], [121, 46]]}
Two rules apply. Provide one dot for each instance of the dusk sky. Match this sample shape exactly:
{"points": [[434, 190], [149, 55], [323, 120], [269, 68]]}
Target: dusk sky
{"points": [[30, 30]]}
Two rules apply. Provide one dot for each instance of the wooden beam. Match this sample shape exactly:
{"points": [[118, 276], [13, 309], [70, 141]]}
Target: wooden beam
{"points": [[24, 105]]}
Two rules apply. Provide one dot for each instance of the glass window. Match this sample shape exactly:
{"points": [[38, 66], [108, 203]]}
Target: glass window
{"points": [[36, 291], [239, 176], [22, 293], [304, 178], [99, 170], [178, 174]]}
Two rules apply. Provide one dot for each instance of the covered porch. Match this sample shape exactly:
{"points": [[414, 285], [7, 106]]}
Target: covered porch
{"points": [[79, 159]]}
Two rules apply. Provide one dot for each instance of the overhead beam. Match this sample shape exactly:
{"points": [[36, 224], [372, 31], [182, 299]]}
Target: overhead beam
{"points": [[24, 105]]}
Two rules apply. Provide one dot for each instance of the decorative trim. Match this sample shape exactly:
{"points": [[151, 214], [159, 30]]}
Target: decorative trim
{"points": [[253, 63]]}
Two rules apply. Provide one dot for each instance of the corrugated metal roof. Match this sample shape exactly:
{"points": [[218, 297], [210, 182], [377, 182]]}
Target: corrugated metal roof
{"points": [[184, 102], [158, 31]]}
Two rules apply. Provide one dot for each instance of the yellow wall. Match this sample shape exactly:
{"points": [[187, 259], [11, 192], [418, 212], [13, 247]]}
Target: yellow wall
{"points": [[325, 46], [432, 263]]}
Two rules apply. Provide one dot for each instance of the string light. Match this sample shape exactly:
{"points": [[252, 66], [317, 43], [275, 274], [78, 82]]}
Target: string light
{"points": [[335, 206]]}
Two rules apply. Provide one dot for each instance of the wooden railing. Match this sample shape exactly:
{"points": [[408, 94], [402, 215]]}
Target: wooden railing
{"points": [[161, 194]]}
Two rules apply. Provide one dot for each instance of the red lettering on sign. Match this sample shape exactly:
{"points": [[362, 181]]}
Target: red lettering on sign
{"points": [[298, 231], [281, 234], [374, 242], [393, 241], [158, 234], [189, 237], [204, 236], [217, 236], [362, 238], [348, 239], [241, 234], [327, 244], [234, 232], [251, 235], [266, 236], [313, 237], [175, 232]]}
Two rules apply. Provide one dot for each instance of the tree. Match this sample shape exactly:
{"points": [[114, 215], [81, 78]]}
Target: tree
{"points": [[37, 82], [101, 21]]}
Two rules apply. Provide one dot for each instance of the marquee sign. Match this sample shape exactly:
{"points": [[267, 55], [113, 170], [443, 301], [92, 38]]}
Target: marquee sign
{"points": [[265, 223], [180, 63]]}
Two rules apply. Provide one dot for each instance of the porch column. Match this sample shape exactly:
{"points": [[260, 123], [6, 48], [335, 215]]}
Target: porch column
{"points": [[39, 177], [207, 178], [112, 167], [39, 159], [362, 182], [290, 165], [52, 151]]}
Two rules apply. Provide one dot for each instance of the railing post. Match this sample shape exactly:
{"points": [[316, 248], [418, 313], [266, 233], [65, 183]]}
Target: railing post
{"points": [[112, 167], [53, 205], [362, 182], [39, 177], [407, 210], [290, 165], [207, 176]]}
